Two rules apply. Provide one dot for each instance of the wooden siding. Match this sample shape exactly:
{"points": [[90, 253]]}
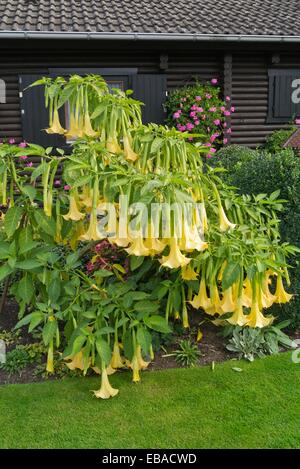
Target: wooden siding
{"points": [[250, 88]]}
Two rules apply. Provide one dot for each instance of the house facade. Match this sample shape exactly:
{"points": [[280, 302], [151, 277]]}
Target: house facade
{"points": [[253, 48]]}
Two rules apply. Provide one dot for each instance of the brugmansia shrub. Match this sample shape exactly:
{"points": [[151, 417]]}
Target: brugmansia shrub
{"points": [[191, 240], [280, 171], [198, 109]]}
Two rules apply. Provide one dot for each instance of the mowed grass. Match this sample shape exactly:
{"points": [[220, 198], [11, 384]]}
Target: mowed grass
{"points": [[177, 408]]}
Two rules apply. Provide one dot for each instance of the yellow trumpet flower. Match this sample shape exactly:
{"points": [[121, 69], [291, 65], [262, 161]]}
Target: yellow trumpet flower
{"points": [[188, 273], [74, 130], [227, 303], [141, 362], [92, 234], [225, 224], [130, 155], [215, 307], [185, 318], [175, 258], [116, 359], [49, 366], [112, 145], [191, 240], [106, 390], [238, 317], [138, 248], [201, 300], [256, 318], [280, 294], [76, 362], [134, 365], [73, 213], [55, 127], [87, 127]]}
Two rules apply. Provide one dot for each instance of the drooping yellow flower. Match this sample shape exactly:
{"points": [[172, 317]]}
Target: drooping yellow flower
{"points": [[49, 366], [130, 155], [280, 294], [225, 224], [73, 213], [106, 390], [76, 362], [87, 127], [141, 362], [188, 273], [138, 248], [227, 303], [134, 365], [185, 318], [238, 318], [73, 131], [256, 318], [55, 127], [92, 234], [201, 300], [112, 145], [220, 274], [116, 359], [215, 307], [191, 240], [175, 258]]}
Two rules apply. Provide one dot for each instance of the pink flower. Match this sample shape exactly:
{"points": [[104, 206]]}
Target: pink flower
{"points": [[223, 109], [193, 114], [11, 141], [198, 98], [225, 140], [23, 157], [207, 144], [193, 107], [225, 125], [297, 121], [227, 99], [189, 126], [208, 96], [67, 187], [212, 150], [183, 99], [217, 122], [190, 139], [199, 109], [228, 131], [57, 182], [197, 122], [214, 81], [213, 137], [176, 115], [23, 145], [29, 164], [213, 109], [232, 109], [227, 113]]}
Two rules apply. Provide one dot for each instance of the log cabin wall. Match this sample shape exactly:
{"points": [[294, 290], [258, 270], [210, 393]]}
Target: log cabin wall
{"points": [[249, 76]]}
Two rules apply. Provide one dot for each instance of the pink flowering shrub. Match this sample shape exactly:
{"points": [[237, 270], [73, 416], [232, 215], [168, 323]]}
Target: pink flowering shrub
{"points": [[199, 109]]}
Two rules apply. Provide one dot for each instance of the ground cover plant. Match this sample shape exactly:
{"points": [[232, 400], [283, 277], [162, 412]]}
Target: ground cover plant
{"points": [[130, 237]]}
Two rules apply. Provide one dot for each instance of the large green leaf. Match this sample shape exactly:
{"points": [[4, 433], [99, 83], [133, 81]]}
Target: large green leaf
{"points": [[230, 275], [146, 306], [5, 270], [12, 220], [49, 331], [54, 290], [45, 223], [26, 288], [103, 350], [28, 264], [157, 323]]}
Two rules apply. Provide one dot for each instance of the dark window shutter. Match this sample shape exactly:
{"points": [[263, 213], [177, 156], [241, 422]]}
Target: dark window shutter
{"points": [[151, 89], [35, 116], [282, 86]]}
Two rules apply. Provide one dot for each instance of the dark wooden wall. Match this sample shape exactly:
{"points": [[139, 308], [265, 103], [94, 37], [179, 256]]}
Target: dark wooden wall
{"points": [[249, 76]]}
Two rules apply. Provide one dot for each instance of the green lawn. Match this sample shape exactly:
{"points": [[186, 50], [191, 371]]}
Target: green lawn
{"points": [[198, 408]]}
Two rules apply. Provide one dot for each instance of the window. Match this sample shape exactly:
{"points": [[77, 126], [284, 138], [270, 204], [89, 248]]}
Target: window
{"points": [[284, 95]]}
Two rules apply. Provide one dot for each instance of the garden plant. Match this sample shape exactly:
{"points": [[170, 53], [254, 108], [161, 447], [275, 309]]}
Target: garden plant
{"points": [[130, 236]]}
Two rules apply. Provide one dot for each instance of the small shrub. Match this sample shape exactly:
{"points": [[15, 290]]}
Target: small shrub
{"points": [[187, 354], [276, 140], [16, 360], [249, 343]]}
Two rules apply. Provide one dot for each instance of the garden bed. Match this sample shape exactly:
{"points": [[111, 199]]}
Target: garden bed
{"points": [[211, 347]]}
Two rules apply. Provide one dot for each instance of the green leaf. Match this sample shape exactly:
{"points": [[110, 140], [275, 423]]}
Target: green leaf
{"points": [[26, 288], [230, 275], [103, 273], [4, 250], [28, 264], [136, 262], [103, 350], [49, 331], [144, 339], [12, 220], [26, 242], [30, 191], [157, 323], [78, 344], [5, 270], [54, 290], [45, 223], [36, 319], [146, 306], [24, 321]]}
